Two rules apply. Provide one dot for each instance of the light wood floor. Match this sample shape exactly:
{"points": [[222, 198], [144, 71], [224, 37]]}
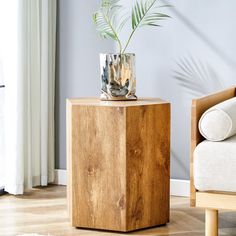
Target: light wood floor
{"points": [[43, 211]]}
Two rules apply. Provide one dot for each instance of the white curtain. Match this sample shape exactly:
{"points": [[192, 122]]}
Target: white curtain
{"points": [[30, 100]]}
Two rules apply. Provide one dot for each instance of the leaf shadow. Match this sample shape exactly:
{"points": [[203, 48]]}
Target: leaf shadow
{"points": [[196, 77]]}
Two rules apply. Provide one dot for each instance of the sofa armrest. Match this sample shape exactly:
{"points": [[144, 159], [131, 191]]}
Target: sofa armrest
{"points": [[199, 106]]}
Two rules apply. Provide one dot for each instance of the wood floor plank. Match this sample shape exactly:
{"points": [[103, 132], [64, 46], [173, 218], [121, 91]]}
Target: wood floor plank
{"points": [[44, 211]]}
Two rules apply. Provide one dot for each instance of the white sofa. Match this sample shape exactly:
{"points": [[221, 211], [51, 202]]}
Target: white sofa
{"points": [[213, 161]]}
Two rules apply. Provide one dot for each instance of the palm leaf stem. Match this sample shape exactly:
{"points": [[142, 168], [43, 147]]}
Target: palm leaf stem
{"points": [[113, 30], [134, 30]]}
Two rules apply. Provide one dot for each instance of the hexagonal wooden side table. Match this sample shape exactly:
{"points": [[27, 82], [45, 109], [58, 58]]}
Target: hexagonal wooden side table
{"points": [[118, 163]]}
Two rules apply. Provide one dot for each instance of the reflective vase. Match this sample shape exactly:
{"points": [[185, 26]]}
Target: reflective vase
{"points": [[118, 79]]}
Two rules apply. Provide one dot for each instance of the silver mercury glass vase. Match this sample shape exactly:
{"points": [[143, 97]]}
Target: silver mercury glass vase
{"points": [[118, 77]]}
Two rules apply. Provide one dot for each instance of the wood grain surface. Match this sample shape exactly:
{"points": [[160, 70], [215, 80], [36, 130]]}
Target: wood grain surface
{"points": [[119, 164], [148, 165], [97, 102], [98, 167]]}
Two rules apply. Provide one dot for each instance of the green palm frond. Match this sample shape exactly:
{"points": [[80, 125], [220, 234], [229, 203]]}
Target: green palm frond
{"points": [[145, 14], [108, 20]]}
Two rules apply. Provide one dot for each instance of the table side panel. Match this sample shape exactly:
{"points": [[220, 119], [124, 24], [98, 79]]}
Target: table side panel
{"points": [[148, 165], [98, 167]]}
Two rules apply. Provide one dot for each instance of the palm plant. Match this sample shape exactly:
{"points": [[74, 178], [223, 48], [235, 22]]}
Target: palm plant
{"points": [[110, 19]]}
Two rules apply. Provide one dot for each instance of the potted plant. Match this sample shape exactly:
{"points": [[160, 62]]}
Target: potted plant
{"points": [[118, 70]]}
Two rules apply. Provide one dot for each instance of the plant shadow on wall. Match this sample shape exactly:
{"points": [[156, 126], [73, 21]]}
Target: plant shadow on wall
{"points": [[196, 77]]}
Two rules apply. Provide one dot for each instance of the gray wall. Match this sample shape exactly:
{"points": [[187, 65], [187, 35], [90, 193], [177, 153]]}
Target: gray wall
{"points": [[197, 46]]}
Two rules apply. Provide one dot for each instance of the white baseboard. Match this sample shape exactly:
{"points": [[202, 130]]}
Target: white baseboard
{"points": [[60, 177], [178, 187]]}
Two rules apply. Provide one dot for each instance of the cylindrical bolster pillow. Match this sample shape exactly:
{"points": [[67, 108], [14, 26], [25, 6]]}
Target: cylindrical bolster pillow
{"points": [[219, 122]]}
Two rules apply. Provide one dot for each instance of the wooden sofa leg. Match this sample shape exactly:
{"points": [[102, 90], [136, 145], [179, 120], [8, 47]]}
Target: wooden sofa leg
{"points": [[211, 222]]}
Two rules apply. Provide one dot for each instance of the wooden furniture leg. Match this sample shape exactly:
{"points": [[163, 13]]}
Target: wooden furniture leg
{"points": [[211, 222]]}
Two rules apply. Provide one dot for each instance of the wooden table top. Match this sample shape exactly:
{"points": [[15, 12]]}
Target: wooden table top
{"points": [[92, 101]]}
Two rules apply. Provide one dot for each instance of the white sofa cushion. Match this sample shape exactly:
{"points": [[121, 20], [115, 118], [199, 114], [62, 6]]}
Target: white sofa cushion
{"points": [[215, 165], [219, 122]]}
